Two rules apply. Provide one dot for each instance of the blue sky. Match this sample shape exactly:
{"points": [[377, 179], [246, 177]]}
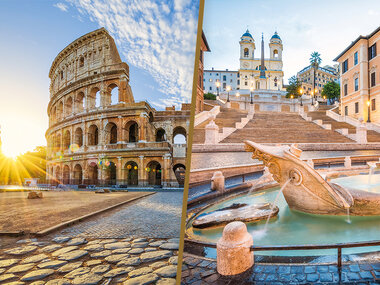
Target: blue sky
{"points": [[304, 26], [148, 34]]}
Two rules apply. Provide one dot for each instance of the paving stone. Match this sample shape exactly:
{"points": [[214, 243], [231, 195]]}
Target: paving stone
{"points": [[39, 243], [155, 255], [72, 255], [354, 268], [94, 247], [142, 280], [132, 261], [35, 258], [140, 271], [8, 262], [103, 253], [136, 251], [70, 267], [333, 268], [2, 270], [21, 250], [127, 239], [77, 241], [37, 274], [118, 271], [284, 277], [166, 281], [87, 279], [296, 269], [38, 283], [121, 250], [115, 258], [77, 272], [157, 243], [63, 281], [52, 264], [174, 260], [284, 270], [312, 277], [15, 283], [61, 239], [107, 240], [139, 245], [308, 269], [26, 240], [64, 250], [325, 277], [366, 275], [157, 265], [93, 262], [147, 249], [170, 246], [51, 248], [100, 269], [167, 271], [173, 240], [7, 277], [21, 268], [139, 240], [353, 276], [270, 269], [117, 245]]}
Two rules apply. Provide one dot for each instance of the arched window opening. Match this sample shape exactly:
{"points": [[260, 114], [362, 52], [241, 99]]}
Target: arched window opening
{"points": [[275, 53], [111, 133], [153, 170], [132, 132], [246, 52], [60, 111], [160, 135], [78, 174], [66, 175], [81, 61], [179, 171], [97, 99], [66, 140], [110, 171], [78, 138], [93, 135], [113, 90], [179, 135], [132, 173], [69, 106], [93, 174], [80, 102], [57, 174]]}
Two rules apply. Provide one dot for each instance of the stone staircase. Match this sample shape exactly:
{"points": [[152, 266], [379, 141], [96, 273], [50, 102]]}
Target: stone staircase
{"points": [[273, 127], [227, 118], [320, 114]]}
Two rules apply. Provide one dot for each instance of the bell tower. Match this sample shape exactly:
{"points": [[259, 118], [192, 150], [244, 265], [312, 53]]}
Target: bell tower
{"points": [[275, 47], [247, 49]]}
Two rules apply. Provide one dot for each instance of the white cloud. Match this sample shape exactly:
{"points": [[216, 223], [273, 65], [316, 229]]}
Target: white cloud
{"points": [[61, 6], [158, 36]]}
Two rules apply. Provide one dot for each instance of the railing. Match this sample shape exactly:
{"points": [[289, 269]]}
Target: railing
{"points": [[337, 246]]}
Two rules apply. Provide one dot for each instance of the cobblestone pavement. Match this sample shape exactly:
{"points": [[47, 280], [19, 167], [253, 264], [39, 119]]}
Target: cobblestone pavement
{"points": [[157, 216], [203, 271], [65, 260]]}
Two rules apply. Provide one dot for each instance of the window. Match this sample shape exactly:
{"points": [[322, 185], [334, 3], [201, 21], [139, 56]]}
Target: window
{"points": [[345, 89], [345, 66], [373, 104], [356, 84], [372, 51], [224, 78], [346, 110], [61, 74], [245, 83], [355, 58], [238, 82], [224, 85], [81, 62], [210, 88], [357, 107], [246, 52], [210, 80], [373, 79]]}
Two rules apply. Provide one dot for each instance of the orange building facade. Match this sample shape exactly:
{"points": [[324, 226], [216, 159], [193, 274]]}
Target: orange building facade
{"points": [[199, 100], [360, 78]]}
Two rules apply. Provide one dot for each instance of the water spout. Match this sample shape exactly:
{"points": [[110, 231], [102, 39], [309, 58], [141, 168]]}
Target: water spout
{"points": [[265, 178], [348, 216]]}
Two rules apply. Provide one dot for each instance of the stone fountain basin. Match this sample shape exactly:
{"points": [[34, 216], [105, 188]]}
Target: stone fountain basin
{"points": [[236, 212]]}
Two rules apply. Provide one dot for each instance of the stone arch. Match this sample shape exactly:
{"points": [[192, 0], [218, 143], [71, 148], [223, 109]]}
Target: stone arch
{"points": [[69, 106], [246, 52], [92, 174], [60, 110], [131, 129], [66, 140], [94, 97], [80, 102], [110, 133], [57, 174], [93, 135], [78, 137], [160, 135], [113, 93], [58, 144], [77, 174], [66, 174], [179, 135], [154, 172], [81, 61], [179, 171], [131, 173], [53, 114], [275, 53], [110, 173]]}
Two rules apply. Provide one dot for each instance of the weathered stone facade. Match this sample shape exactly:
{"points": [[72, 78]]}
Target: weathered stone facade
{"points": [[97, 134]]}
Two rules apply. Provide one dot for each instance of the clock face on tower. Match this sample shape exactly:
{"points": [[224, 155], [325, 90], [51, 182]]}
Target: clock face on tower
{"points": [[245, 64]]}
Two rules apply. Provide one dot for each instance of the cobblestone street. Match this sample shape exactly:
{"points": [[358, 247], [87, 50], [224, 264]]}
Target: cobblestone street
{"points": [[157, 216], [198, 271]]}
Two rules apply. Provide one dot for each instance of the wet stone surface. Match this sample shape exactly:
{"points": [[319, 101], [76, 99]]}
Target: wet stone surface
{"points": [[203, 271], [73, 262]]}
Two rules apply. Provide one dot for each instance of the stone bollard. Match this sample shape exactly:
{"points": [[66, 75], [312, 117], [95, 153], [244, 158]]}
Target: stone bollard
{"points": [[361, 132], [311, 163], [233, 250], [211, 133], [217, 181], [347, 162]]}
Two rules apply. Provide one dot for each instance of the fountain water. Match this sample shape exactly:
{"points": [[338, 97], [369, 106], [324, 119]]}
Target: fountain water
{"points": [[265, 178]]}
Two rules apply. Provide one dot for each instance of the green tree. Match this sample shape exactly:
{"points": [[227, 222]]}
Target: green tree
{"points": [[293, 88], [209, 96], [332, 91]]}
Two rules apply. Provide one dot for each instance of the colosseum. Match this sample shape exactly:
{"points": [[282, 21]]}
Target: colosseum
{"points": [[98, 134]]}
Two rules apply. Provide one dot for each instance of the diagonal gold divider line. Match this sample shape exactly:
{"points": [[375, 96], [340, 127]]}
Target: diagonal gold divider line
{"points": [[190, 140]]}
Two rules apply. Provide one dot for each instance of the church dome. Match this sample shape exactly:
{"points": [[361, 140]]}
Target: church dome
{"points": [[247, 34], [275, 36]]}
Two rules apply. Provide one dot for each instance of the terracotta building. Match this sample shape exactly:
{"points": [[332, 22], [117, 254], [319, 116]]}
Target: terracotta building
{"points": [[360, 78], [98, 134], [199, 100]]}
